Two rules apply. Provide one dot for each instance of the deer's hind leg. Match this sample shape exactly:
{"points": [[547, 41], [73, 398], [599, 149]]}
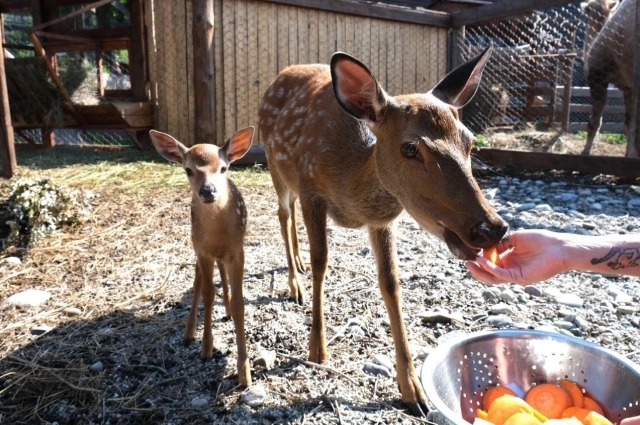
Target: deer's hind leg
{"points": [[286, 216], [598, 90]]}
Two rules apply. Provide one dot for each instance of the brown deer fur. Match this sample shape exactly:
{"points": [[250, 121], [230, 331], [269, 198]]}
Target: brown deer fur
{"points": [[338, 143], [218, 224], [608, 58]]}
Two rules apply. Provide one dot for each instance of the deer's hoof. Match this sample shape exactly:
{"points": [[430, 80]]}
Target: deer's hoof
{"points": [[187, 341]]}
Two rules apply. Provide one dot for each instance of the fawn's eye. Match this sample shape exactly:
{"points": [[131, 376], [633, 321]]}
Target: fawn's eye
{"points": [[189, 172], [410, 150], [223, 170]]}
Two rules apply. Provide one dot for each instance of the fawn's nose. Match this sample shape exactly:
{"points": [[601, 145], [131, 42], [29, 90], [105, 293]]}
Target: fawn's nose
{"points": [[489, 232], [207, 194]]}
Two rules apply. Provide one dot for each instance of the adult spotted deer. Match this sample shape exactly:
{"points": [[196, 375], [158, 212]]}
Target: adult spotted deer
{"points": [[218, 224], [336, 141]]}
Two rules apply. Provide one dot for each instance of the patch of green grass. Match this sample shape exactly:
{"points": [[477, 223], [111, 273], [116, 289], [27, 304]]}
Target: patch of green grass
{"points": [[581, 134], [126, 170], [615, 138], [481, 141]]}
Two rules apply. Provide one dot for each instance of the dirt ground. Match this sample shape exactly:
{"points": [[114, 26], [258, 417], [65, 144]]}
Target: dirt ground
{"points": [[129, 271]]}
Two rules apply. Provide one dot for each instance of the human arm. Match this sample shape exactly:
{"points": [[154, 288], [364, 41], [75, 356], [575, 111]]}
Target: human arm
{"points": [[530, 256]]}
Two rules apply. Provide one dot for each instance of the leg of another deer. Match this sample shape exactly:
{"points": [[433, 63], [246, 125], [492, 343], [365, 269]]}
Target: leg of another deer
{"points": [[192, 320], [287, 228], [315, 220], [226, 297], [208, 296], [598, 90], [383, 244], [236, 270], [294, 238]]}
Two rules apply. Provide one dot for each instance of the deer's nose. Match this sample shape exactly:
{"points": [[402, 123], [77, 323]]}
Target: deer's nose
{"points": [[489, 232], [207, 194]]}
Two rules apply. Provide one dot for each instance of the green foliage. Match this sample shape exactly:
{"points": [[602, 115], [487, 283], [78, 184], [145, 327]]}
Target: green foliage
{"points": [[37, 207], [481, 141], [615, 138], [582, 134]]}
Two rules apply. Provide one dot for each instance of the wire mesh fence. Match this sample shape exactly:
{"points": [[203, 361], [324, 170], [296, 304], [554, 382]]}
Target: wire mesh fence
{"points": [[549, 67], [86, 74]]}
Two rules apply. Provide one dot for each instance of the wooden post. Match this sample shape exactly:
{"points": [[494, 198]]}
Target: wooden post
{"points": [[7, 149], [137, 54], [204, 87]]}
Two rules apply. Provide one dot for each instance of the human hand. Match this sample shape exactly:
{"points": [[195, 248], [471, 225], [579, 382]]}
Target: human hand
{"points": [[635, 420], [527, 256]]}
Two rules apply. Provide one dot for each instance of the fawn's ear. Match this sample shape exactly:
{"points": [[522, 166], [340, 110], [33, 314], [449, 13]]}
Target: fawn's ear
{"points": [[239, 144], [167, 146], [356, 89], [460, 85]]}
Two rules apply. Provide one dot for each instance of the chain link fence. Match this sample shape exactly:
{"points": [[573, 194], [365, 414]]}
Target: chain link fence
{"points": [[537, 79], [36, 102]]}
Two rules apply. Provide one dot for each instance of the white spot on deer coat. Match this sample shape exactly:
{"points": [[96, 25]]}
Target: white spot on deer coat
{"points": [[281, 156]]}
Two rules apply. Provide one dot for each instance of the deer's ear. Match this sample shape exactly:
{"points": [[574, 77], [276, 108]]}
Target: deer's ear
{"points": [[167, 146], [239, 144], [460, 85], [356, 89]]}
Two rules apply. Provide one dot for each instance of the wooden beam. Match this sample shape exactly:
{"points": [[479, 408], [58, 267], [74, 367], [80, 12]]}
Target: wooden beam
{"points": [[538, 161], [375, 10], [137, 53], [204, 86], [66, 37], [7, 148], [71, 15], [502, 9]]}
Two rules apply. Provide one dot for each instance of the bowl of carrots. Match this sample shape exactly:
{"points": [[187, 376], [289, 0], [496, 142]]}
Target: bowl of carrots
{"points": [[525, 377]]}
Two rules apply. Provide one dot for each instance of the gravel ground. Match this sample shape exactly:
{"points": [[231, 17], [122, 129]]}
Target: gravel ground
{"points": [[118, 357]]}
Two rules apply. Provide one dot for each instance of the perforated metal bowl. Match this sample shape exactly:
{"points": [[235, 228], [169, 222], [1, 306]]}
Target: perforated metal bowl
{"points": [[458, 372]]}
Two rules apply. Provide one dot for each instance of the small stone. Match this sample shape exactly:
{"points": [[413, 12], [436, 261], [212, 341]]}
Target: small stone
{"points": [[626, 309], [492, 293], [365, 251], [40, 329], [96, 367], [266, 359], [383, 360], [526, 206], [547, 328], [12, 260], [533, 290], [501, 308], [71, 311], [28, 298], [437, 418], [508, 295], [356, 330], [563, 324], [582, 323], [375, 369], [499, 321], [199, 402], [571, 300], [424, 352], [308, 321], [255, 396]]}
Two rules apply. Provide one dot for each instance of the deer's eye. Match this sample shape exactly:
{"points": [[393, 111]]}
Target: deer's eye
{"points": [[189, 172], [410, 150], [223, 170]]}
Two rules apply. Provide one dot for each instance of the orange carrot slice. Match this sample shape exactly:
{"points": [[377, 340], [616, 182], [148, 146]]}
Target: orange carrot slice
{"points": [[493, 393], [591, 404], [548, 399], [576, 412], [492, 255], [574, 391]]}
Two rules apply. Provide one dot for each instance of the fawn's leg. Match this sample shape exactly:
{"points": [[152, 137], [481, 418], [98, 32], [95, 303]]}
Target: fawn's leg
{"points": [[383, 244], [315, 220], [598, 90], [633, 146], [226, 297], [192, 320], [236, 270], [208, 296], [294, 239]]}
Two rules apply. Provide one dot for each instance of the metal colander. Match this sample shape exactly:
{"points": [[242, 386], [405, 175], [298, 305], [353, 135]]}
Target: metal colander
{"points": [[458, 372]]}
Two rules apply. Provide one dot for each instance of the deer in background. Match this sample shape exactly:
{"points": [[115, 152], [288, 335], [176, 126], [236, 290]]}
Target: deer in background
{"points": [[608, 58], [340, 144], [218, 225]]}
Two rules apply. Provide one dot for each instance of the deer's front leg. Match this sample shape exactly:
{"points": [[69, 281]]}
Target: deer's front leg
{"points": [[384, 248], [208, 296], [226, 297], [192, 320], [236, 270], [315, 220]]}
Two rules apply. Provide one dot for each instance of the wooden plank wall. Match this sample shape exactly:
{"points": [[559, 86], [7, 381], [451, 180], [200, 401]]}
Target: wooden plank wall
{"points": [[254, 40]]}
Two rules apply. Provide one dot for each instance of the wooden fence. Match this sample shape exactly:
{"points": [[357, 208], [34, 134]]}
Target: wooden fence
{"points": [[254, 40]]}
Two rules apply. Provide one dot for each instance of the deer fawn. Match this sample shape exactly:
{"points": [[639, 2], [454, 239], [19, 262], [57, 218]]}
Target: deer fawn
{"points": [[218, 224], [338, 142]]}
